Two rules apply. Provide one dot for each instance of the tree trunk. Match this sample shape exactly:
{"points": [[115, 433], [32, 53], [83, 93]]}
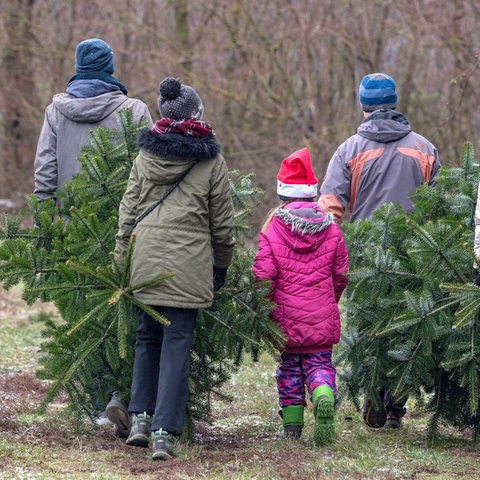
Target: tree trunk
{"points": [[19, 126]]}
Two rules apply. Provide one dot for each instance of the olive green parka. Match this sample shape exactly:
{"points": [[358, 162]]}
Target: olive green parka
{"points": [[189, 232]]}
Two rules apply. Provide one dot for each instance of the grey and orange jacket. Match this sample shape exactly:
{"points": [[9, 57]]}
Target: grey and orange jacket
{"points": [[384, 162]]}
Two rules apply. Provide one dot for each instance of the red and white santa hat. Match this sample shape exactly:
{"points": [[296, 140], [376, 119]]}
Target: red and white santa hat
{"points": [[295, 178]]}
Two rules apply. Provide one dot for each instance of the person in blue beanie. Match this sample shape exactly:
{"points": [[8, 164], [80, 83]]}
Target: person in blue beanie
{"points": [[384, 162], [92, 99]]}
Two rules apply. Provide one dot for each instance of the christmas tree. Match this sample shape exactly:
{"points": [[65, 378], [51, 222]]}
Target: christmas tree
{"points": [[66, 258], [412, 312]]}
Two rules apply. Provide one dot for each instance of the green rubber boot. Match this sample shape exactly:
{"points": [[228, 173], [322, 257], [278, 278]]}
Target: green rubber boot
{"points": [[324, 410], [292, 418]]}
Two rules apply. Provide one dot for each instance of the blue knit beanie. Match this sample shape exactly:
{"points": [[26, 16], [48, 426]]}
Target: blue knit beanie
{"points": [[377, 90], [93, 55]]}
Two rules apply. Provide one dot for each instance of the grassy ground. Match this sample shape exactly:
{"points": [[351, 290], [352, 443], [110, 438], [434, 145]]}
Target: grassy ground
{"points": [[240, 444]]}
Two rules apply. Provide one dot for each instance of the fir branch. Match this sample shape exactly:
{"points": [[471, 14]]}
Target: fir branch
{"points": [[65, 378], [434, 247], [99, 242], [468, 296]]}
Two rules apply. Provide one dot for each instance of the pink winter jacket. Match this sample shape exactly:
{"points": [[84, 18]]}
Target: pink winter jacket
{"points": [[304, 255]]}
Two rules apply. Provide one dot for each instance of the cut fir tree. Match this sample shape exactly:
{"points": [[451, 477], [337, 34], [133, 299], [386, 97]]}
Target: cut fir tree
{"points": [[412, 312], [67, 259]]}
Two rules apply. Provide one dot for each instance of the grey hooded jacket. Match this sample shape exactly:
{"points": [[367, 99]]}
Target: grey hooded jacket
{"points": [[67, 123], [384, 162]]}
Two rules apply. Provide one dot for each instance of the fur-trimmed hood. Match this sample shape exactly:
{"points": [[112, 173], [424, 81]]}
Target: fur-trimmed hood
{"points": [[299, 224], [179, 146], [165, 157]]}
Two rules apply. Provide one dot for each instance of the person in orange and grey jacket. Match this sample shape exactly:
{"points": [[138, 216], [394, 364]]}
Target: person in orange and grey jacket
{"points": [[92, 99], [190, 234], [384, 162]]}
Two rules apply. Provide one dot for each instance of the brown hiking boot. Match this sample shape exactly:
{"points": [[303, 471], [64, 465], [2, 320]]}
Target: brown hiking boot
{"points": [[393, 421], [116, 411], [372, 417]]}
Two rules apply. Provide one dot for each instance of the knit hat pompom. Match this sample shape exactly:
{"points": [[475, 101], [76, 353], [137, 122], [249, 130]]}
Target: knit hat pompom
{"points": [[296, 178], [170, 88], [376, 91], [178, 101], [94, 55]]}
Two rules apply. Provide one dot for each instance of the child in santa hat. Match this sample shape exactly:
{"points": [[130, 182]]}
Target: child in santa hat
{"points": [[302, 253]]}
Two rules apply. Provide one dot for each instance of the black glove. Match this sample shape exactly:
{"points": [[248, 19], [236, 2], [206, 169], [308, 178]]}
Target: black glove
{"points": [[476, 277], [219, 277]]}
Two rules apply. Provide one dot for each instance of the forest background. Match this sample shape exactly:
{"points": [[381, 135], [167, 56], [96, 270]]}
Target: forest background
{"points": [[274, 75]]}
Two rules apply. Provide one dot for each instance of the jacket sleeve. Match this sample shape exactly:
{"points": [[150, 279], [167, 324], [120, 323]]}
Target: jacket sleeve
{"points": [[145, 114], [45, 163], [221, 216], [335, 189], [126, 217], [141, 113], [340, 268], [264, 266], [435, 169]]}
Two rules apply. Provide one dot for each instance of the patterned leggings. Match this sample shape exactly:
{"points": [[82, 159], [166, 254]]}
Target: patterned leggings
{"points": [[297, 370]]}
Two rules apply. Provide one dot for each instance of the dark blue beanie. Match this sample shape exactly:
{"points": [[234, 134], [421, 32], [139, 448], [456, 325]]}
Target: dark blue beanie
{"points": [[377, 90], [93, 55]]}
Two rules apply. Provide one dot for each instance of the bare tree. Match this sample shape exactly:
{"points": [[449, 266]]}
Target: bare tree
{"points": [[274, 75], [18, 122]]}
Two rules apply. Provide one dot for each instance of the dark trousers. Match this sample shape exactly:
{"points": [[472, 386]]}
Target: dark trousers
{"points": [[398, 409], [161, 367]]}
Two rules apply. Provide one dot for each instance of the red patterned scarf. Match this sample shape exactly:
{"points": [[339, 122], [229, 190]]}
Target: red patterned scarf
{"points": [[189, 128]]}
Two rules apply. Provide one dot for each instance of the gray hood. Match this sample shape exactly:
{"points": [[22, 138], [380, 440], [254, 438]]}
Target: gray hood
{"points": [[384, 126], [89, 110]]}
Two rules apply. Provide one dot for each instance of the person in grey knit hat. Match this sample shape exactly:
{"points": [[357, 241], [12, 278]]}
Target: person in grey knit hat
{"points": [[178, 101], [178, 205]]}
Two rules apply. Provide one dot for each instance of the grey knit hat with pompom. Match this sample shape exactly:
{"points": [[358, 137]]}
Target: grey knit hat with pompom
{"points": [[178, 101]]}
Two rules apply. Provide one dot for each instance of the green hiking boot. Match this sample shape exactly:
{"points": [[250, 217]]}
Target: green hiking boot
{"points": [[292, 419], [324, 412], [140, 431], [162, 443]]}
